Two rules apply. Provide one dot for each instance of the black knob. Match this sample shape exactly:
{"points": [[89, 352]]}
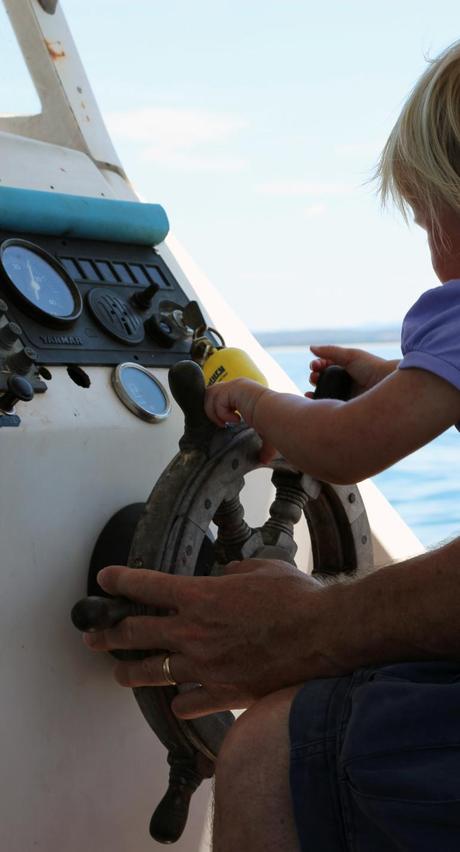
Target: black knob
{"points": [[9, 334], [3, 308], [187, 385], [143, 298], [170, 817], [19, 390], [98, 613], [22, 361], [334, 383]]}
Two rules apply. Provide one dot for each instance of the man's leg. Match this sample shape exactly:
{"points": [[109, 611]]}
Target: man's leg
{"points": [[253, 808]]}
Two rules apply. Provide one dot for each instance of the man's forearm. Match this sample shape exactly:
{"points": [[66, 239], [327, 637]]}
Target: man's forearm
{"points": [[405, 611]]}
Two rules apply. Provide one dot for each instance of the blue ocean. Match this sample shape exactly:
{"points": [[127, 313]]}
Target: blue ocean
{"points": [[425, 487]]}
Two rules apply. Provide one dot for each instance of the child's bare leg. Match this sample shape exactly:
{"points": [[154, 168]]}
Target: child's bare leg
{"points": [[252, 799]]}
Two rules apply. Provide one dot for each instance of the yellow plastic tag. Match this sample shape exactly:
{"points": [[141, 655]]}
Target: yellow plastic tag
{"points": [[226, 364]]}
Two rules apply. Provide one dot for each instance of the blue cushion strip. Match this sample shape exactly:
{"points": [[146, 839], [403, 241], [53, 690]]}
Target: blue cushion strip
{"points": [[61, 215]]}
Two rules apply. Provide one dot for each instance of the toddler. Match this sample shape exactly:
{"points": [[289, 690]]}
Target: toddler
{"points": [[397, 406]]}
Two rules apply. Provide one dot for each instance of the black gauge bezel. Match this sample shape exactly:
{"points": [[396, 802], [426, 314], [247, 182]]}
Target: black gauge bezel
{"points": [[129, 402], [30, 307]]}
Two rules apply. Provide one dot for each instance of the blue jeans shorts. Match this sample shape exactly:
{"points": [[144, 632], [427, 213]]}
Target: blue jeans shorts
{"points": [[375, 760]]}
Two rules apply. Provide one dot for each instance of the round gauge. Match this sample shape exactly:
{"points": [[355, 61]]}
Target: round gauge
{"points": [[42, 286], [141, 392]]}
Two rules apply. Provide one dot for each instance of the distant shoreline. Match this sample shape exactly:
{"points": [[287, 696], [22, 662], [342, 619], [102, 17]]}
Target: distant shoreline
{"points": [[304, 337]]}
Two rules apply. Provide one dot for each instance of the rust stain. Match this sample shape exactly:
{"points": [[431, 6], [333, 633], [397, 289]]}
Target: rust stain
{"points": [[55, 52]]}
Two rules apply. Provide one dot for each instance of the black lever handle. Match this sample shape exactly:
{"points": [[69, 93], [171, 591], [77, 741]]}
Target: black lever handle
{"points": [[98, 613], [334, 383], [186, 381], [170, 815]]}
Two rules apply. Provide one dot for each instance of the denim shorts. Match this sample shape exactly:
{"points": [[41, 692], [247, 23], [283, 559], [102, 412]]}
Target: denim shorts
{"points": [[375, 760]]}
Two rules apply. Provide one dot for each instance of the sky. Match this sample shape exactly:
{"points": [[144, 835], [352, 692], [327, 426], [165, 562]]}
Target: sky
{"points": [[258, 124]]}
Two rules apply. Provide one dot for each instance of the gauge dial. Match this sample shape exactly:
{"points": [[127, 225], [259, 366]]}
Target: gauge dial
{"points": [[141, 392], [40, 283]]}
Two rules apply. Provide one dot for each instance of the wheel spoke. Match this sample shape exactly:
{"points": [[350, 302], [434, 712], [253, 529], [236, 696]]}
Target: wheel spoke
{"points": [[233, 531]]}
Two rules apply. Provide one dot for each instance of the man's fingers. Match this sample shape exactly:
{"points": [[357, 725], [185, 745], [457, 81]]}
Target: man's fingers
{"points": [[141, 585], [149, 671], [197, 702], [140, 632]]}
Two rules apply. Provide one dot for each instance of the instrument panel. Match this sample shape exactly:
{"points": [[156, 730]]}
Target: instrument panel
{"points": [[88, 302]]}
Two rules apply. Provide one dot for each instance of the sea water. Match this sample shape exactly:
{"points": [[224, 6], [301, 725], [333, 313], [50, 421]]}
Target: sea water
{"points": [[425, 487]]}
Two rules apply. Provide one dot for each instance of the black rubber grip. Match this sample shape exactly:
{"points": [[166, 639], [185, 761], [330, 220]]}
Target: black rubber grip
{"points": [[97, 613], [187, 385], [186, 381], [334, 383]]}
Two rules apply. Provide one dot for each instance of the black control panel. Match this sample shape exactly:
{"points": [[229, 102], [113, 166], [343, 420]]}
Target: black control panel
{"points": [[86, 302]]}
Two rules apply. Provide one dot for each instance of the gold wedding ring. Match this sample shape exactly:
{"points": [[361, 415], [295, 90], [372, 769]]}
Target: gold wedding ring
{"points": [[167, 674]]}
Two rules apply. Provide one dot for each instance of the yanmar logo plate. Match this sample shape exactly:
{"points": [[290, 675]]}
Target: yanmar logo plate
{"points": [[61, 340]]}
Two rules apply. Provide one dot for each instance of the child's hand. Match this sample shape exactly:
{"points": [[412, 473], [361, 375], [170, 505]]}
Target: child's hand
{"points": [[229, 402], [365, 369], [224, 402]]}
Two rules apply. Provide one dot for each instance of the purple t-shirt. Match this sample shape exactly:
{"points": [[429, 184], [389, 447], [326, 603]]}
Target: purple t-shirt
{"points": [[430, 335]]}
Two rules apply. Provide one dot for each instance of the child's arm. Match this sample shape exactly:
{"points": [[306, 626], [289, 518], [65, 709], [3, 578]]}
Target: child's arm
{"points": [[343, 442], [365, 369]]}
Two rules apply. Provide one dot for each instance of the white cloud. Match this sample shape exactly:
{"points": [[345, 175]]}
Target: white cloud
{"points": [[300, 188], [181, 138], [362, 149], [258, 277], [189, 161], [314, 211]]}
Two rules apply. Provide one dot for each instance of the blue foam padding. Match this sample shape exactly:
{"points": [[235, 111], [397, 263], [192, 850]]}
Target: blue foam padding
{"points": [[61, 215]]}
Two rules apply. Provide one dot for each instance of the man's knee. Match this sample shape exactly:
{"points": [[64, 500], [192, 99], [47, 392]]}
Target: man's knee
{"points": [[256, 733]]}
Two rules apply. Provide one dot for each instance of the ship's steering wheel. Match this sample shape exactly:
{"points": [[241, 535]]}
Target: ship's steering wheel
{"points": [[200, 487]]}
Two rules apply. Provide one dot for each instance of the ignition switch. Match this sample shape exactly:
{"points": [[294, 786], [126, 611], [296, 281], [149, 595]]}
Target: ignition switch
{"points": [[169, 325]]}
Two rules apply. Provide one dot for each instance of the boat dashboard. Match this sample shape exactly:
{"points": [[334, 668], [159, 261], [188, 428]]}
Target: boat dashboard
{"points": [[89, 302]]}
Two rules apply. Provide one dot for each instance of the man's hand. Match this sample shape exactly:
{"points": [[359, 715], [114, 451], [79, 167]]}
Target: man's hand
{"points": [[266, 625], [261, 626]]}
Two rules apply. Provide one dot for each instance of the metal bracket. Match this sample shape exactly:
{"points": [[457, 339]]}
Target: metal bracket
{"points": [[48, 6]]}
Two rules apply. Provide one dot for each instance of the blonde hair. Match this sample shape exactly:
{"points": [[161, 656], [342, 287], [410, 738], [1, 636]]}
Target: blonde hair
{"points": [[420, 163]]}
